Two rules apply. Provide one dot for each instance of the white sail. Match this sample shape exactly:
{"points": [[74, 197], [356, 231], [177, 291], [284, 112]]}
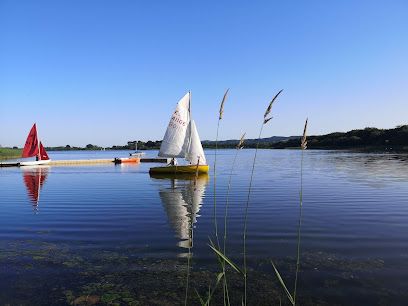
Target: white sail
{"points": [[173, 144], [195, 150]]}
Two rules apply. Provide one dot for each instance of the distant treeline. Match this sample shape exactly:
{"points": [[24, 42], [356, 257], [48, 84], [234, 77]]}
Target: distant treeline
{"points": [[368, 138], [148, 145]]}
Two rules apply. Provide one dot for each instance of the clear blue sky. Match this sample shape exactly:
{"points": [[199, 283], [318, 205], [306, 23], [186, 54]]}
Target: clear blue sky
{"points": [[105, 72]]}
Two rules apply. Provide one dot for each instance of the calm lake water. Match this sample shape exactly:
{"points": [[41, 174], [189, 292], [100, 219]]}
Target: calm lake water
{"points": [[113, 235]]}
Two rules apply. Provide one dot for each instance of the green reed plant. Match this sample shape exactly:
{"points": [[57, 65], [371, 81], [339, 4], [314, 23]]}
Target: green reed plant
{"points": [[239, 146], [292, 297], [222, 263], [264, 121], [223, 260], [221, 113], [221, 254], [8, 153]]}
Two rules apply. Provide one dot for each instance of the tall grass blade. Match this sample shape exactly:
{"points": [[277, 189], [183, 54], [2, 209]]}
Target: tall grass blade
{"points": [[210, 292], [246, 215], [215, 166], [283, 284], [219, 276], [264, 121], [238, 147], [303, 146], [202, 302], [225, 258], [221, 112]]}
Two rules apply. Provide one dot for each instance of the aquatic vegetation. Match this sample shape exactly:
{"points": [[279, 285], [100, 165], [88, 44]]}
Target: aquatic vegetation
{"points": [[238, 148], [221, 112], [115, 277], [8, 153], [265, 120]]}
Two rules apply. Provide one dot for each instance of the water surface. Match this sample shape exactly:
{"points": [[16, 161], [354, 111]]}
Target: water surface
{"points": [[117, 235]]}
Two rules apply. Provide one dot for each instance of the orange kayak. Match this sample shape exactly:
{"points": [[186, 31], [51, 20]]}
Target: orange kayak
{"points": [[125, 160]]}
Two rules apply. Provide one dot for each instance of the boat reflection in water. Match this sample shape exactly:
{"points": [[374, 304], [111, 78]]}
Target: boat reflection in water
{"points": [[182, 199], [34, 179]]}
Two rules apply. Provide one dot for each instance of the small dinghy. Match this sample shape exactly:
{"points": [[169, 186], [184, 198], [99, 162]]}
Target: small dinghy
{"points": [[182, 140], [34, 148], [126, 160]]}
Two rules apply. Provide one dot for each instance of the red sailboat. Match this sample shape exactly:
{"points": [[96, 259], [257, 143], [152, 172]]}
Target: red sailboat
{"points": [[34, 148]]}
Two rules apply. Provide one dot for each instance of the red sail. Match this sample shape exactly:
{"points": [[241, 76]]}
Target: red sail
{"points": [[31, 144], [43, 153]]}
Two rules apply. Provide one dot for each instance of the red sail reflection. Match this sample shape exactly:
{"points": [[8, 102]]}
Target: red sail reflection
{"points": [[34, 178]]}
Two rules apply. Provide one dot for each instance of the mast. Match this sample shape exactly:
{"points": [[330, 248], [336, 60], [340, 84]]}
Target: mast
{"points": [[39, 149], [189, 104], [189, 121]]}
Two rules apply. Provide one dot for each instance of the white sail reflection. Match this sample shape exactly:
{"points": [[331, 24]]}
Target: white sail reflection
{"points": [[182, 200]]}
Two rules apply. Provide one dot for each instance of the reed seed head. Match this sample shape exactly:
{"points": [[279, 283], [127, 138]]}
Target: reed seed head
{"points": [[303, 144], [241, 142], [222, 104], [268, 110], [267, 119]]}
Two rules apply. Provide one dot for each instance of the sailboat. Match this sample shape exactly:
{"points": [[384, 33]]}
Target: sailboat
{"points": [[137, 152], [33, 147], [182, 140]]}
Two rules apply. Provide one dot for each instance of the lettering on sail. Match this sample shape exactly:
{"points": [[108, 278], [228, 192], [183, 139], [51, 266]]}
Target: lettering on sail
{"points": [[176, 121]]}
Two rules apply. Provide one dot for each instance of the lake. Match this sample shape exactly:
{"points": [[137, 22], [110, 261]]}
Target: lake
{"points": [[112, 235]]}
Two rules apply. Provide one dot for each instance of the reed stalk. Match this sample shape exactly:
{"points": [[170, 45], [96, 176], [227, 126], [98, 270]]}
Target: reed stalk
{"points": [[246, 216], [303, 146], [221, 112], [264, 121], [238, 147], [292, 297]]}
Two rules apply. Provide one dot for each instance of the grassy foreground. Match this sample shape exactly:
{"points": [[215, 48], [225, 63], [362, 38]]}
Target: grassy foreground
{"points": [[6, 153]]}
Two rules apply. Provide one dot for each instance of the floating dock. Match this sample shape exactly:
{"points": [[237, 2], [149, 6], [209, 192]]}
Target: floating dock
{"points": [[69, 162], [80, 162], [6, 164], [155, 160]]}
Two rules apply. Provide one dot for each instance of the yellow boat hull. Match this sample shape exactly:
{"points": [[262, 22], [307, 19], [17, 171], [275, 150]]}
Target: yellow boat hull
{"points": [[187, 169]]}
